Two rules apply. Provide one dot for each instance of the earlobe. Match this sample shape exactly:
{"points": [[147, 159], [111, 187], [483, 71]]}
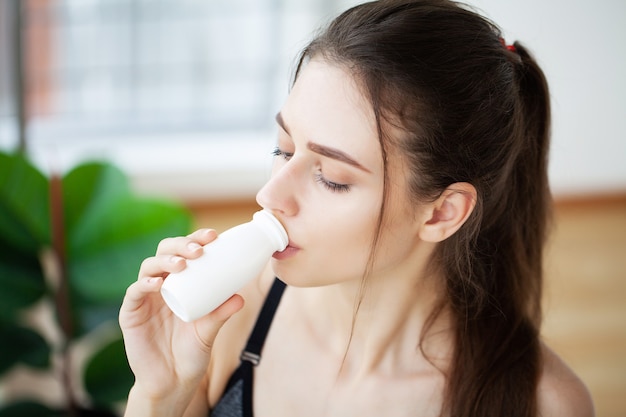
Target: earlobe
{"points": [[449, 212]]}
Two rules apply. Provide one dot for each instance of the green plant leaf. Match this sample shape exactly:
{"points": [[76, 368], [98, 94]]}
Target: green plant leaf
{"points": [[89, 192], [107, 376], [29, 409], [22, 345], [24, 230], [21, 281], [109, 231], [100, 269], [24, 204]]}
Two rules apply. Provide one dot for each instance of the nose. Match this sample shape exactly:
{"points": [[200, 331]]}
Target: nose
{"points": [[278, 194]]}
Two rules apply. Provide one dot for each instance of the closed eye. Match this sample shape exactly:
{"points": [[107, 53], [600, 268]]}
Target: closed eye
{"points": [[319, 177], [332, 186], [279, 152]]}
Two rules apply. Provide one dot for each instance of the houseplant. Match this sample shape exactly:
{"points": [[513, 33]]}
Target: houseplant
{"points": [[69, 248]]}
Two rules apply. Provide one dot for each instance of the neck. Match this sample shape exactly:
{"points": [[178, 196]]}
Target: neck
{"points": [[378, 326]]}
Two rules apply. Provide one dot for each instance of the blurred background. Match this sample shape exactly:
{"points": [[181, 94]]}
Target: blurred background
{"points": [[181, 96]]}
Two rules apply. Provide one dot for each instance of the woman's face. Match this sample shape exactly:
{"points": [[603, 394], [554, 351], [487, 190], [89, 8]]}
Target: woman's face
{"points": [[327, 183]]}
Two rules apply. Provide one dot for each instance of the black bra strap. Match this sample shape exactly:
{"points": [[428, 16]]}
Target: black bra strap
{"points": [[251, 355], [252, 352]]}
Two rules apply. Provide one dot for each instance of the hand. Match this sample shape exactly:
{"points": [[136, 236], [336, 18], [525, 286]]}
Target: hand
{"points": [[168, 356]]}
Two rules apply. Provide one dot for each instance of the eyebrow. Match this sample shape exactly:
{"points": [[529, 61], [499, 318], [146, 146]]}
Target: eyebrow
{"points": [[323, 150], [281, 123]]}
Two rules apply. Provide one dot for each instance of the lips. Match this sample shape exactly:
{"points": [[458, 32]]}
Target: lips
{"points": [[288, 252]]}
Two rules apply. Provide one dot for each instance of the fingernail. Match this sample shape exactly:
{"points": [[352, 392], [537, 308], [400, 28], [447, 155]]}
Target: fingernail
{"points": [[193, 246], [175, 259]]}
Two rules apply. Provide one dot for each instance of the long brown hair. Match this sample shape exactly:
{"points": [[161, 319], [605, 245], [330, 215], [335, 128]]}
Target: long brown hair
{"points": [[472, 110]]}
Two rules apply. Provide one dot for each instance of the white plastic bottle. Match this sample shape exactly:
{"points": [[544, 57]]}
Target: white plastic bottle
{"points": [[235, 257]]}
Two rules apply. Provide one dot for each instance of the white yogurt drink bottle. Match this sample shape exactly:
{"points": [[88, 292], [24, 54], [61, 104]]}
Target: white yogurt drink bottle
{"points": [[229, 262]]}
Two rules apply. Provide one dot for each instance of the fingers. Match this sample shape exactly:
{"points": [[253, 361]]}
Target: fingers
{"points": [[161, 265], [227, 308], [203, 236], [187, 246], [171, 256], [208, 326], [138, 290], [136, 294], [172, 252]]}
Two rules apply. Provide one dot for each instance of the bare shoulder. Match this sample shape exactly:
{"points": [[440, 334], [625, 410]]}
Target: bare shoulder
{"points": [[561, 393]]}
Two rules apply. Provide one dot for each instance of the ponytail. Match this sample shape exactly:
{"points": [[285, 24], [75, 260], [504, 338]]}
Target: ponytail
{"points": [[530, 175], [509, 248]]}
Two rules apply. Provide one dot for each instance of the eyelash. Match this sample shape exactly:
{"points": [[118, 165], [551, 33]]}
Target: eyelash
{"points": [[279, 152], [332, 186], [329, 185]]}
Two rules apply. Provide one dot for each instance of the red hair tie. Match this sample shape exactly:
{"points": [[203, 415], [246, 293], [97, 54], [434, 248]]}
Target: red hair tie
{"points": [[508, 47]]}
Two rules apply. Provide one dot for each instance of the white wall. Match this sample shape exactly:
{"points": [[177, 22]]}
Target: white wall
{"points": [[581, 45]]}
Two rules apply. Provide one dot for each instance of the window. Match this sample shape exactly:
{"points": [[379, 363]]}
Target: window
{"points": [[162, 87]]}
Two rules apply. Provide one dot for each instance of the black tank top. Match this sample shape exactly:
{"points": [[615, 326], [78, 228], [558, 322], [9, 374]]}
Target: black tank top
{"points": [[237, 398]]}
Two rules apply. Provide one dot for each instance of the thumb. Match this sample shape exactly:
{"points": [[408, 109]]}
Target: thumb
{"points": [[208, 326]]}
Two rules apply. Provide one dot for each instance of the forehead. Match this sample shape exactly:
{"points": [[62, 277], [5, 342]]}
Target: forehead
{"points": [[327, 106]]}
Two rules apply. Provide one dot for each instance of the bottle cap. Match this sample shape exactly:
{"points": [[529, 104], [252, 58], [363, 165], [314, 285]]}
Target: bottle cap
{"points": [[273, 228]]}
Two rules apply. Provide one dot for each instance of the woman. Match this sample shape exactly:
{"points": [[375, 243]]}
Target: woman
{"points": [[411, 177]]}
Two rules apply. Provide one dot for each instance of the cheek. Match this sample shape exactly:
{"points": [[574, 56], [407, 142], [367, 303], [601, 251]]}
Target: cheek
{"points": [[394, 247], [399, 237], [336, 239], [343, 244], [347, 220]]}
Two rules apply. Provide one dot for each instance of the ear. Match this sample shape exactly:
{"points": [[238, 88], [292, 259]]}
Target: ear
{"points": [[449, 212]]}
